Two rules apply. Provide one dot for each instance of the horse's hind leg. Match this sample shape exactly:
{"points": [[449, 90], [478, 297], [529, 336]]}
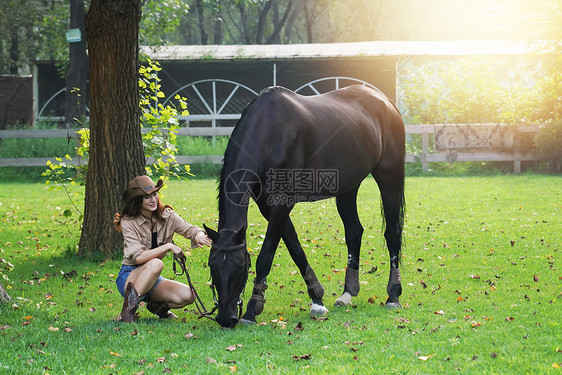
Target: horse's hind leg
{"points": [[347, 208], [391, 186]]}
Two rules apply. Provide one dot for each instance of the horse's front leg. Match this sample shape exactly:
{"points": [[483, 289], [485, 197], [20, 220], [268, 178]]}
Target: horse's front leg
{"points": [[347, 209], [315, 288], [264, 262]]}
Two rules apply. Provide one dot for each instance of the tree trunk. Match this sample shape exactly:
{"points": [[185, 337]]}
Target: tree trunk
{"points": [[14, 51], [262, 20], [4, 297], [116, 151], [278, 25], [218, 32], [77, 73], [201, 19], [308, 19], [244, 23], [291, 23]]}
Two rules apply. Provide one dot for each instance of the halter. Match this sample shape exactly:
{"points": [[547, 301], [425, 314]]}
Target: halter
{"points": [[230, 248], [203, 313]]}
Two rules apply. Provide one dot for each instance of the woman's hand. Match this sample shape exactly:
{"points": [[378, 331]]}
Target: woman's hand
{"points": [[201, 239], [176, 250]]}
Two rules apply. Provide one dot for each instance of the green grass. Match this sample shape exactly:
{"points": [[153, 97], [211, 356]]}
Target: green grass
{"points": [[480, 275]]}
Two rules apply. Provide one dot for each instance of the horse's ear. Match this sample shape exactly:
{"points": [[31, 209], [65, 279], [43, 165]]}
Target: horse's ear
{"points": [[214, 236], [240, 236]]}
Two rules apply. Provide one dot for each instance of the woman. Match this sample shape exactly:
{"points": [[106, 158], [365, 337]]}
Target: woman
{"points": [[148, 228]]}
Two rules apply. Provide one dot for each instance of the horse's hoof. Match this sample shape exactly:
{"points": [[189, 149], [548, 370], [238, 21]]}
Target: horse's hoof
{"points": [[393, 305], [246, 322], [344, 300], [318, 310]]}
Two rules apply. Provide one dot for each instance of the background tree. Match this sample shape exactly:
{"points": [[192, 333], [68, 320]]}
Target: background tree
{"points": [[77, 72], [116, 152]]}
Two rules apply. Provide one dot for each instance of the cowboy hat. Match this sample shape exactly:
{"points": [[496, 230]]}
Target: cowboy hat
{"points": [[139, 186]]}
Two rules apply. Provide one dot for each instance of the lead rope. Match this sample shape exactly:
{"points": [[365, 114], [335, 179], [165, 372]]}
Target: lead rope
{"points": [[198, 303]]}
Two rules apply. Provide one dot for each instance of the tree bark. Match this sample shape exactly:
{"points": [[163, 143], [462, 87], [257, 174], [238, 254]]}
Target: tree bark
{"points": [[4, 297], [308, 19], [218, 32], [278, 25], [201, 19], [116, 151], [262, 19], [14, 51], [244, 23], [77, 73]]}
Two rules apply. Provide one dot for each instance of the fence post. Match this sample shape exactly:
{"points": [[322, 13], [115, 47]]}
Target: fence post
{"points": [[425, 151]]}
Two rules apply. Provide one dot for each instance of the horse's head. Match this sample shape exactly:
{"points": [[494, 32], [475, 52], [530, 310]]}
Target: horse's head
{"points": [[229, 262]]}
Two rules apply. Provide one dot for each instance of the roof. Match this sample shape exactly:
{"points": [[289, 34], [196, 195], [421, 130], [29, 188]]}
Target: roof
{"points": [[337, 50]]}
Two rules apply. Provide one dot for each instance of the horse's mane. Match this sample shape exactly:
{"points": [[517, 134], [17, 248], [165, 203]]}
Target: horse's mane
{"points": [[229, 154]]}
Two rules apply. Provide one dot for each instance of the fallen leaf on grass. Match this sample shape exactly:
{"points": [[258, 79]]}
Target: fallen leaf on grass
{"points": [[160, 360], [233, 368], [440, 312], [232, 348], [319, 318], [211, 360], [115, 354], [426, 357], [53, 329], [304, 356]]}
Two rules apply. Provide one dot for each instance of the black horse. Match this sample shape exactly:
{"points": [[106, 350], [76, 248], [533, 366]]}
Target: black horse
{"points": [[287, 148]]}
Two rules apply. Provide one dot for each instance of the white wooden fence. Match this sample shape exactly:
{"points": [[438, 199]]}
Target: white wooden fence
{"points": [[425, 156]]}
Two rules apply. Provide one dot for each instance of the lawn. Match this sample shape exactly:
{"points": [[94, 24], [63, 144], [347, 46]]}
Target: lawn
{"points": [[481, 289]]}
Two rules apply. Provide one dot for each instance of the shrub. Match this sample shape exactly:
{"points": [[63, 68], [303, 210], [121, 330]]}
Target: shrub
{"points": [[549, 144]]}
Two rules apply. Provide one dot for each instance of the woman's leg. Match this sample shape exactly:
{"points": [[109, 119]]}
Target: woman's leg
{"points": [[144, 277], [172, 293]]}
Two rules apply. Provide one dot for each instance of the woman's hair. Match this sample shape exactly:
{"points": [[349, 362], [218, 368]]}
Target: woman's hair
{"points": [[133, 209]]}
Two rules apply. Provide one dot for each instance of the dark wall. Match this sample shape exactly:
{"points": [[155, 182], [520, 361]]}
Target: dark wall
{"points": [[254, 74], [16, 100], [291, 74]]}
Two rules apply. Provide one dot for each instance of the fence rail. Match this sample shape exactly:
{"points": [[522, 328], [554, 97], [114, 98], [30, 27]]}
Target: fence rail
{"points": [[425, 156]]}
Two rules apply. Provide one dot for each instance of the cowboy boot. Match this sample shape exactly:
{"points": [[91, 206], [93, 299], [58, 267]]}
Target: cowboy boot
{"points": [[130, 305], [161, 310]]}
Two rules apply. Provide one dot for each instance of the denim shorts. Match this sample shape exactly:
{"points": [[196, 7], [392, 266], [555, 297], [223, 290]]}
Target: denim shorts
{"points": [[122, 278]]}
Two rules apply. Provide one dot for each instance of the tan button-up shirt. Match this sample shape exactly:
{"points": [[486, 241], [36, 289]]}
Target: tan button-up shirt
{"points": [[137, 233]]}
